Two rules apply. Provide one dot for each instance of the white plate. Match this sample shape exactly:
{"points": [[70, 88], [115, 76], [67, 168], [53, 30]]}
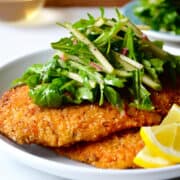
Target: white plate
{"points": [[165, 36], [46, 160]]}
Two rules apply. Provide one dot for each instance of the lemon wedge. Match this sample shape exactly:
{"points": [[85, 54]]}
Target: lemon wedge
{"points": [[162, 143], [145, 158], [173, 115]]}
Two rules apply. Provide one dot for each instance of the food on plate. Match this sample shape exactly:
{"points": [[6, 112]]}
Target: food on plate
{"points": [[25, 122], [115, 151], [163, 15], [162, 145], [105, 78]]}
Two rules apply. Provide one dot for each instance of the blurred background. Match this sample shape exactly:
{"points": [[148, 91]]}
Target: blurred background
{"points": [[29, 25], [86, 3], [15, 10]]}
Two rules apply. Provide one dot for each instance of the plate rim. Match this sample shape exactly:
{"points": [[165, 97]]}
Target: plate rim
{"points": [[17, 153], [20, 155]]}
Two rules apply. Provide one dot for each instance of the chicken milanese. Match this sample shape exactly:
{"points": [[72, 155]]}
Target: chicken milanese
{"points": [[24, 122], [90, 99], [116, 151]]}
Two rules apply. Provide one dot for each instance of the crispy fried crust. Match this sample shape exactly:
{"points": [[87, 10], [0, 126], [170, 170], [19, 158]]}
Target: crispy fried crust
{"points": [[116, 151], [164, 99], [24, 122]]}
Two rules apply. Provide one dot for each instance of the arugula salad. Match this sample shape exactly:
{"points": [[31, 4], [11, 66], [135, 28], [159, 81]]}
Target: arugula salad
{"points": [[163, 15], [103, 60]]}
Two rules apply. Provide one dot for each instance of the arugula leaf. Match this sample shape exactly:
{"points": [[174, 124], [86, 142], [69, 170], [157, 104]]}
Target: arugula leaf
{"points": [[74, 47], [84, 93], [141, 95], [83, 24], [144, 101], [129, 43], [154, 67], [113, 96], [31, 77], [46, 95], [157, 64], [102, 12], [108, 35], [114, 81]]}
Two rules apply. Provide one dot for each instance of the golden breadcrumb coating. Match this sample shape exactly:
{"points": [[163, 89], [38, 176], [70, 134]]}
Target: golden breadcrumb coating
{"points": [[116, 151], [24, 122], [163, 100]]}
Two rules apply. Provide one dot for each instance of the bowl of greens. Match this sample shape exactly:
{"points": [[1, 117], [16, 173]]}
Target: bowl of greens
{"points": [[162, 17]]}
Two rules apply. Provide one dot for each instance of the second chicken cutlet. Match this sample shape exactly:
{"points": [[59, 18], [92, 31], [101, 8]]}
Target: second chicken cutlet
{"points": [[116, 151]]}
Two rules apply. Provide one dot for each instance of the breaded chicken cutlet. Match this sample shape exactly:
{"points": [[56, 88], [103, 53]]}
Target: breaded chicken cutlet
{"points": [[24, 122], [116, 151]]}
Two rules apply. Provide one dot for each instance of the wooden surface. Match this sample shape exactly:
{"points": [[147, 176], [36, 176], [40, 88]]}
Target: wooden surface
{"points": [[86, 2]]}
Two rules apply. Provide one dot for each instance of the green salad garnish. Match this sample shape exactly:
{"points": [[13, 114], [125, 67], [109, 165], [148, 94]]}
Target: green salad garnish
{"points": [[163, 15], [103, 60]]}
